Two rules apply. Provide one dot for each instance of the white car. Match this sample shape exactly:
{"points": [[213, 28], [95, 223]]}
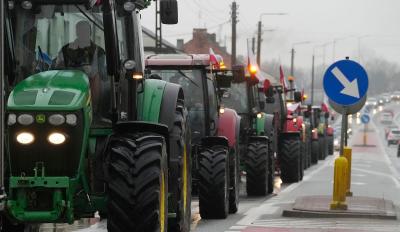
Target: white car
{"points": [[393, 137]]}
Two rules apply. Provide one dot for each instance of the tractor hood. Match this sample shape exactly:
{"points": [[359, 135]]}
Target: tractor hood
{"points": [[56, 90]]}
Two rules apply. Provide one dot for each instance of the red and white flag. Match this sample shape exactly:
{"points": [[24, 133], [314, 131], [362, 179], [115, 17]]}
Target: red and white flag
{"points": [[213, 57]]}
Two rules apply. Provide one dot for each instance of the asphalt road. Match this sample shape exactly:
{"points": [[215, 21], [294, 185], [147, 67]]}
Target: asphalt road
{"points": [[375, 173]]}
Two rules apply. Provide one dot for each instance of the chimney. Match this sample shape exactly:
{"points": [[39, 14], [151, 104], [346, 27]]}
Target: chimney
{"points": [[179, 44], [213, 37]]}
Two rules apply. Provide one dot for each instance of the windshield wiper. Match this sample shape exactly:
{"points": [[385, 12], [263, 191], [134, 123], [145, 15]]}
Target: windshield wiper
{"points": [[184, 75], [97, 24]]}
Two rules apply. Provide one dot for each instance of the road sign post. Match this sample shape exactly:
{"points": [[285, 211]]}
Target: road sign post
{"points": [[365, 120], [346, 85]]}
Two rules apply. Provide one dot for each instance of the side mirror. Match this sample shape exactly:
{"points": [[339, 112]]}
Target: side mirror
{"points": [[169, 11], [223, 80], [269, 94], [298, 96]]}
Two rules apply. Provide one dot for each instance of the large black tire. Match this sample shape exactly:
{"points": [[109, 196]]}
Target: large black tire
{"points": [[137, 183], [290, 160], [322, 149], [234, 180], [271, 169], [6, 225], [256, 163], [302, 158], [180, 180], [314, 151], [330, 145], [214, 183]]}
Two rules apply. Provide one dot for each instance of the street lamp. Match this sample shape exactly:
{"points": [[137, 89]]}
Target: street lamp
{"points": [[260, 32], [359, 38], [292, 59], [334, 46]]}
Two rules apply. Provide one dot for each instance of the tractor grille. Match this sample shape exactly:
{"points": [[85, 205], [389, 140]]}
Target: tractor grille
{"points": [[58, 160]]}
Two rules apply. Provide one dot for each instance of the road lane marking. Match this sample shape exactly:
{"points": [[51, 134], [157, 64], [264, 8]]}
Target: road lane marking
{"points": [[389, 176]]}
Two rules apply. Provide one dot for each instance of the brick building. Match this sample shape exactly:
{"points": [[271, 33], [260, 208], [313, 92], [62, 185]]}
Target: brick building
{"points": [[201, 43]]}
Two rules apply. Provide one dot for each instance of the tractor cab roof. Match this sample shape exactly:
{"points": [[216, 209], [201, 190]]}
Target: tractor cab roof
{"points": [[179, 60]]}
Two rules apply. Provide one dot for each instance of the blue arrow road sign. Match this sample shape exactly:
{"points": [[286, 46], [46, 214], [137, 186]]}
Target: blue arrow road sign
{"points": [[345, 82], [365, 119]]}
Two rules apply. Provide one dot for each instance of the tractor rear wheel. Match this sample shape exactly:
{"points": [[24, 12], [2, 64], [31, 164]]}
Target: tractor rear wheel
{"points": [[234, 180], [180, 181], [138, 183], [6, 225], [322, 148], [290, 160], [314, 151], [214, 183], [271, 169], [256, 163]]}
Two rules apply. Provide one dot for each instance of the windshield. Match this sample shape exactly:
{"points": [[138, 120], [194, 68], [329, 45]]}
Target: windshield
{"points": [[236, 97], [191, 82], [54, 37]]}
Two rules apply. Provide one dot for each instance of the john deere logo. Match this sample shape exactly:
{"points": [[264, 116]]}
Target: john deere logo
{"points": [[40, 118]]}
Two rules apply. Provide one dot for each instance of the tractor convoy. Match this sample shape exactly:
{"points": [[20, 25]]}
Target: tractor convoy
{"points": [[89, 125]]}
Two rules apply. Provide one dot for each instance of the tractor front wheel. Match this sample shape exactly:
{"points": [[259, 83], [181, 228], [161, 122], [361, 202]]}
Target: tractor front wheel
{"points": [[314, 151], [330, 145], [256, 163], [234, 180], [290, 160], [214, 183], [138, 183], [322, 149]]}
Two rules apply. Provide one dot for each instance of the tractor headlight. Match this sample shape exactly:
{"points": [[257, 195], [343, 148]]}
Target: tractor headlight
{"points": [[56, 119], [221, 110], [25, 138], [56, 138], [295, 120], [25, 119], [12, 119], [259, 115], [71, 119]]}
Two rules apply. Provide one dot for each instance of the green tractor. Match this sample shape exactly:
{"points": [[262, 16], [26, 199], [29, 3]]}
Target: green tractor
{"points": [[214, 130], [84, 131], [239, 90]]}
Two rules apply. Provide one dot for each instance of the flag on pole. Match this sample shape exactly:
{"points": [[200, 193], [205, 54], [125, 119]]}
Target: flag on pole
{"points": [[282, 78], [213, 57]]}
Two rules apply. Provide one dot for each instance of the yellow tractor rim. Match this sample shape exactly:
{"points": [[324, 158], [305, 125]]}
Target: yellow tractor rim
{"points": [[162, 203], [184, 179]]}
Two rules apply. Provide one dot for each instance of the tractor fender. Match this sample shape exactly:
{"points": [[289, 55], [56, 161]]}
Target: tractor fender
{"points": [[172, 93], [264, 139], [140, 126], [211, 141], [290, 135], [229, 126], [150, 100]]}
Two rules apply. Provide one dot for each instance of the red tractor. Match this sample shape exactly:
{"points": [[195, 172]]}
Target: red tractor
{"points": [[287, 132], [214, 130]]}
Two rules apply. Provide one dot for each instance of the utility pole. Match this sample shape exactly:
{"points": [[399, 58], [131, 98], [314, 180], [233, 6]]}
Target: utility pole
{"points": [[2, 96], [259, 43], [158, 27], [292, 64], [312, 79], [234, 22], [253, 44]]}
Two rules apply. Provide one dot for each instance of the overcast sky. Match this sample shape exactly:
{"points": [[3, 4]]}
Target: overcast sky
{"points": [[317, 21]]}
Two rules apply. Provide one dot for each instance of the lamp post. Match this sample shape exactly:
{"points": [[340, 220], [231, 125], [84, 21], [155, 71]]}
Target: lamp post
{"points": [[259, 33], [293, 52]]}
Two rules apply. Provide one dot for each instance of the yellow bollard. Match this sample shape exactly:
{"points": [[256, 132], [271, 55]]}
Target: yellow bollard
{"points": [[347, 154], [340, 184]]}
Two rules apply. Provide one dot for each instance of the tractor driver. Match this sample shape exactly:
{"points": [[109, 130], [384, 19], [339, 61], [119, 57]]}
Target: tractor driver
{"points": [[83, 54]]}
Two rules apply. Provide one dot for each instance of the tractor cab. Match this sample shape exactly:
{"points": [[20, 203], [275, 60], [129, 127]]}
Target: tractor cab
{"points": [[196, 76]]}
